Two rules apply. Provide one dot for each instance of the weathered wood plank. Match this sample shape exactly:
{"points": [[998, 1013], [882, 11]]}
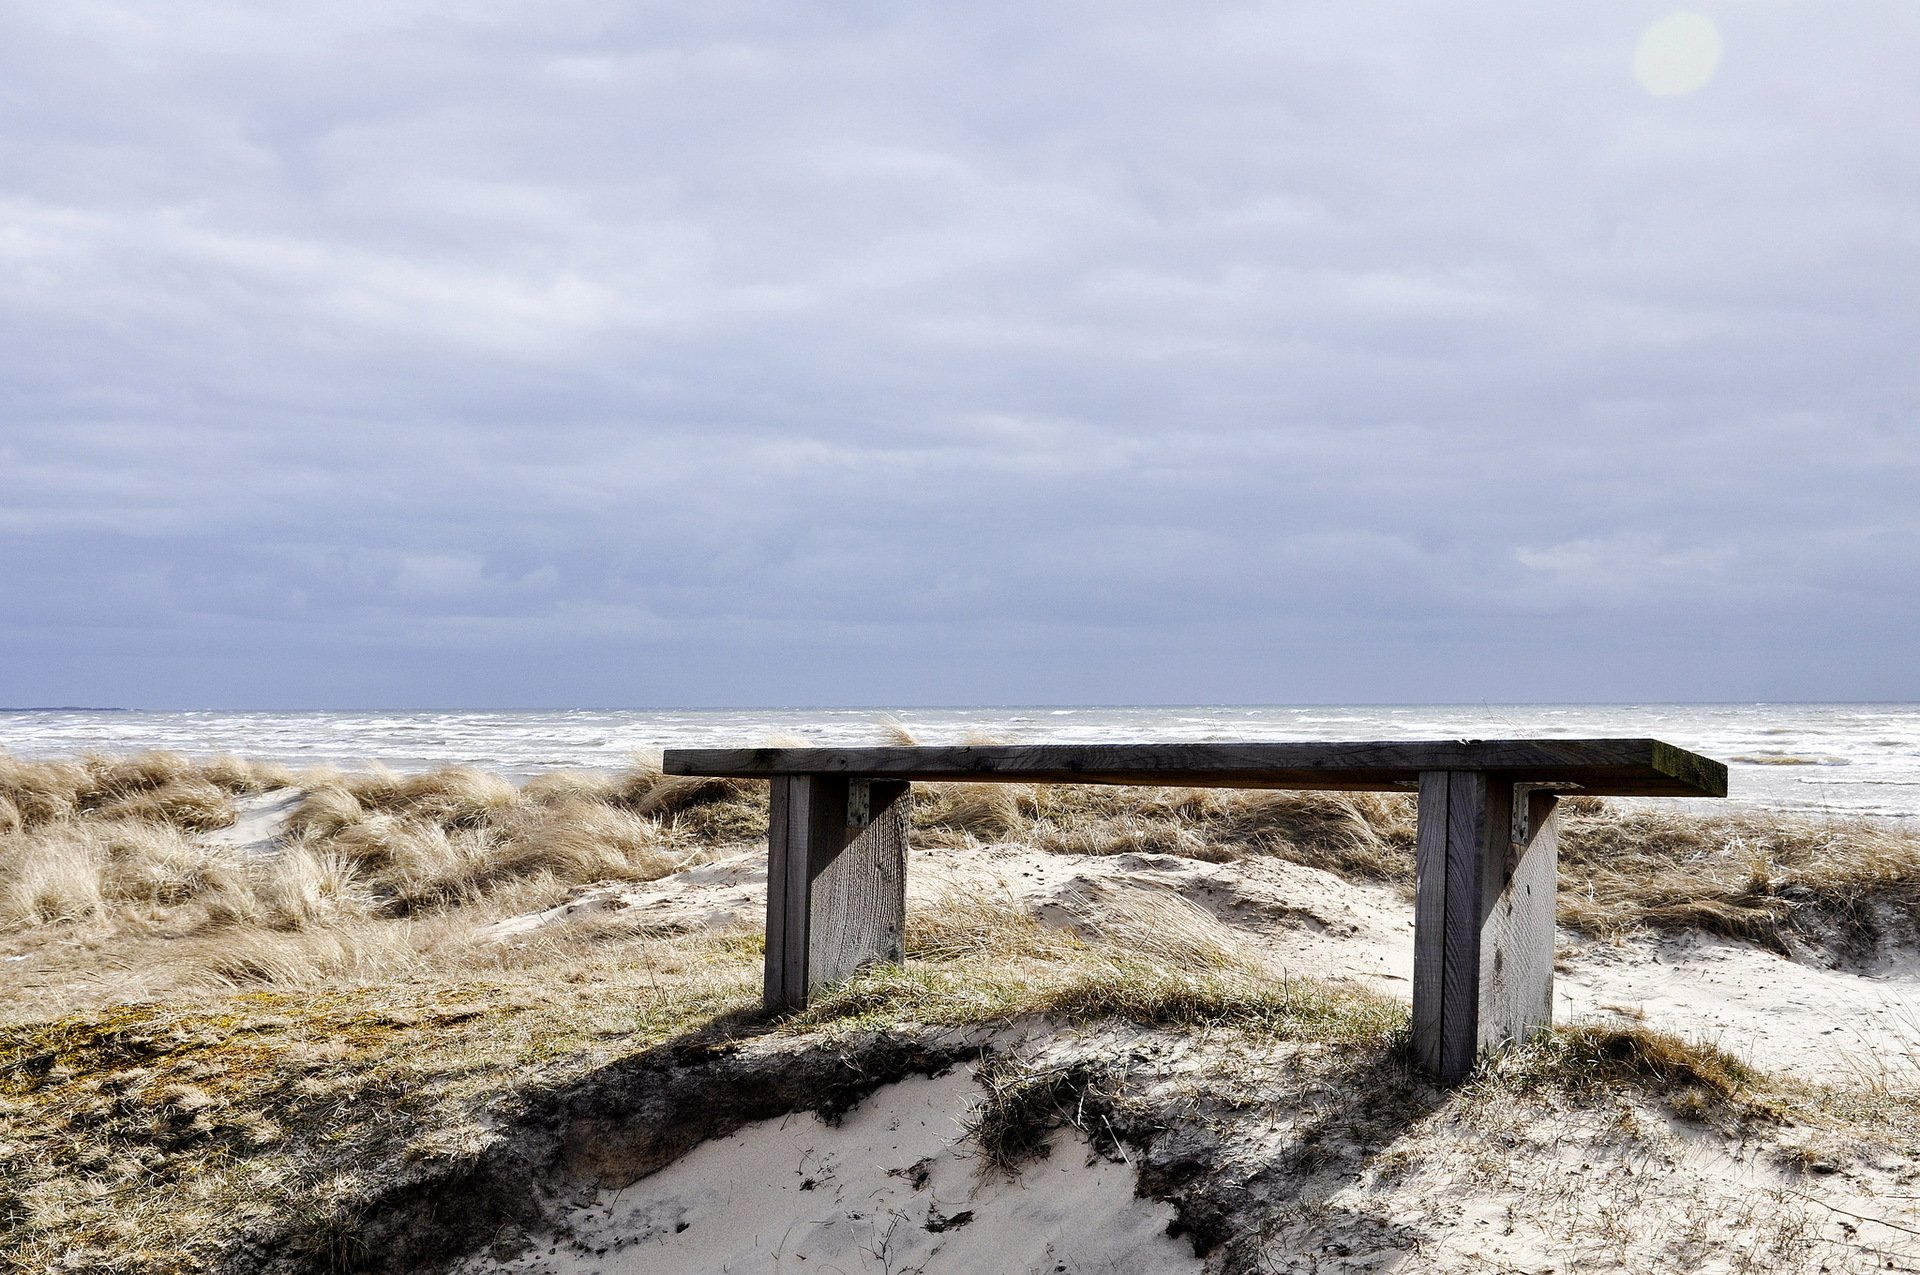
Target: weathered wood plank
{"points": [[1478, 809], [1517, 935], [785, 981], [1485, 864], [836, 883], [859, 906], [1619, 767], [1429, 918]]}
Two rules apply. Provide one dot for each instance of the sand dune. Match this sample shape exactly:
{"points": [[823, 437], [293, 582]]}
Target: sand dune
{"points": [[417, 1023]]}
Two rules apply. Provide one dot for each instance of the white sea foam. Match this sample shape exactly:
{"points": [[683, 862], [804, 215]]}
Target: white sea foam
{"points": [[1842, 759]]}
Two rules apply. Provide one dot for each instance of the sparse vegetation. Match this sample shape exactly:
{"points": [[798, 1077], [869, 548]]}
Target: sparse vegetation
{"points": [[1694, 1079], [211, 1049], [1023, 1105], [1774, 879], [158, 787], [1367, 835], [1155, 960], [107, 850], [171, 1136], [80, 839], [1626, 866]]}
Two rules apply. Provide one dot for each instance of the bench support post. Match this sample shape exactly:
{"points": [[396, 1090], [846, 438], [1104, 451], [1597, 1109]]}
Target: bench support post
{"points": [[836, 882], [1483, 941]]}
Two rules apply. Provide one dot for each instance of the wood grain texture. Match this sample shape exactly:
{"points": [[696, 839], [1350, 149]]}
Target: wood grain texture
{"points": [[1430, 918], [858, 909], [1486, 858], [1517, 932], [785, 979], [836, 891], [1478, 811], [1620, 767]]}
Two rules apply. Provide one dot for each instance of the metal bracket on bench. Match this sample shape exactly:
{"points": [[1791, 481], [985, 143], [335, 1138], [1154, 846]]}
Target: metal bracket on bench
{"points": [[859, 803]]}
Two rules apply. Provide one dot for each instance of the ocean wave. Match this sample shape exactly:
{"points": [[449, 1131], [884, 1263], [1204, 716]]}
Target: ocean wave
{"points": [[1870, 756]]}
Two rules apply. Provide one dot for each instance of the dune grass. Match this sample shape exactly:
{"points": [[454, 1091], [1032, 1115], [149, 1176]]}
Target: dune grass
{"points": [[1770, 878], [1367, 835], [1154, 959], [376, 871], [383, 870], [154, 787], [1777, 879], [243, 1039]]}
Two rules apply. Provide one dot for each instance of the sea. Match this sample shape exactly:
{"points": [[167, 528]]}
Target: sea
{"points": [[1842, 760]]}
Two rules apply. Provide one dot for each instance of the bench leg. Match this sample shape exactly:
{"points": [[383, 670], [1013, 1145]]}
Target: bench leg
{"points": [[836, 882], [1483, 937]]}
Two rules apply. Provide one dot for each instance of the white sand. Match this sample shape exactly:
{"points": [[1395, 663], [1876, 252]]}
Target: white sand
{"points": [[261, 819], [1825, 1024], [889, 1189]]}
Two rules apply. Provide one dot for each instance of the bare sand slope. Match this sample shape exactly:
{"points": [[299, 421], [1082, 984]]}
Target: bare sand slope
{"points": [[260, 820], [1822, 1023], [890, 1187], [1242, 1154]]}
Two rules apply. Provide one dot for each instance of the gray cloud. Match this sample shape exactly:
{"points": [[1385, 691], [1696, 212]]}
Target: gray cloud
{"points": [[592, 354]]}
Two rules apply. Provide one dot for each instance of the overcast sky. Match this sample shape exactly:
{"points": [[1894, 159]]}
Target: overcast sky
{"points": [[623, 354]]}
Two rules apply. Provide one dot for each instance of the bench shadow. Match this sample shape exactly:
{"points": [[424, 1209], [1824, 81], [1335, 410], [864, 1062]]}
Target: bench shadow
{"points": [[1361, 1110]]}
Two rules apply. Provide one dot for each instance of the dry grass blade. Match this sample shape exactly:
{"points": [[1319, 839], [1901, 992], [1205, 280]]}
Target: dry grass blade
{"points": [[1024, 1105], [327, 809], [985, 812], [558, 787], [974, 923], [1159, 927], [675, 794], [307, 886], [1773, 879], [187, 802], [1360, 834], [239, 775], [79, 871], [49, 879], [898, 733], [1608, 1053], [42, 792]]}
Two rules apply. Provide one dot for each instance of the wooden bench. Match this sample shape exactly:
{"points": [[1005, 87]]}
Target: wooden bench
{"points": [[1485, 863]]}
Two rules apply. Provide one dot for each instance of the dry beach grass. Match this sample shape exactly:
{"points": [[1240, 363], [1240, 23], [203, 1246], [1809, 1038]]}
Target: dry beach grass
{"points": [[110, 841], [218, 1058]]}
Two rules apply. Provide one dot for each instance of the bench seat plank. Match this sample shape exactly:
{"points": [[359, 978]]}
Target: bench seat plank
{"points": [[1603, 767]]}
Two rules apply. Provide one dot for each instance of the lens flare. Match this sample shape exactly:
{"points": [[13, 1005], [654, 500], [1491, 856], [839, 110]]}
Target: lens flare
{"points": [[1677, 54]]}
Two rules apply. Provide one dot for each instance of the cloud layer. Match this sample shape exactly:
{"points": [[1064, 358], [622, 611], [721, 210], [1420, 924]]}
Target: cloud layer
{"points": [[413, 354]]}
